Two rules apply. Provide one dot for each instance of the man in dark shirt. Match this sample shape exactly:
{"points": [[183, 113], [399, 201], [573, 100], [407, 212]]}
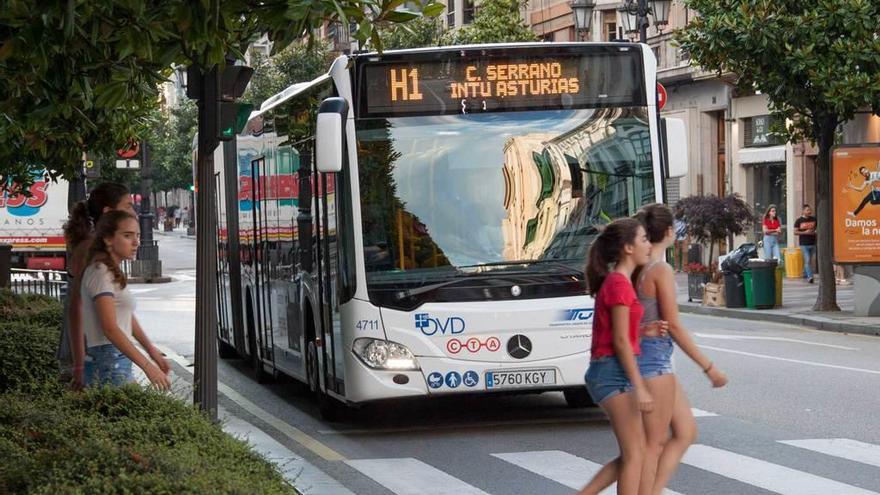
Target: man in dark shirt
{"points": [[805, 228]]}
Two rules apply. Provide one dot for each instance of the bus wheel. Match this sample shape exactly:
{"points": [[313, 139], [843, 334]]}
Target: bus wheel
{"points": [[225, 350], [578, 397]]}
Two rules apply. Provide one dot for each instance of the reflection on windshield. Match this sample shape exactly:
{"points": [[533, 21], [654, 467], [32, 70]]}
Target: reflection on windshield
{"points": [[465, 190]]}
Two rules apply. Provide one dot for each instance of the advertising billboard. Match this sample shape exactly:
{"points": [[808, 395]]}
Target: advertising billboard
{"points": [[855, 193], [35, 223]]}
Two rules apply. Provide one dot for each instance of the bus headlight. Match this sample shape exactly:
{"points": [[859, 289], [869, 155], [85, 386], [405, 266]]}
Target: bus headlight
{"points": [[382, 354]]}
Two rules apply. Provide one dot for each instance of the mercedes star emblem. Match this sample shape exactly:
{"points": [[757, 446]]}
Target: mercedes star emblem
{"points": [[519, 347]]}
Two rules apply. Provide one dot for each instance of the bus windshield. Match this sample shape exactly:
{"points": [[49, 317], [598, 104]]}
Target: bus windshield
{"points": [[447, 195]]}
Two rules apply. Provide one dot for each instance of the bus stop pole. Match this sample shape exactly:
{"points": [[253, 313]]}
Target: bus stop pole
{"points": [[205, 386]]}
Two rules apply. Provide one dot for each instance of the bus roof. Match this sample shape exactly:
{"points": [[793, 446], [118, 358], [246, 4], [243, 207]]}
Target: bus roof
{"points": [[452, 48]]}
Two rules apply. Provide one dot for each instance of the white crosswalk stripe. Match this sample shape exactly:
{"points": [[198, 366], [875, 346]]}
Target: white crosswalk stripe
{"points": [[561, 467], [845, 448], [410, 476], [764, 474]]}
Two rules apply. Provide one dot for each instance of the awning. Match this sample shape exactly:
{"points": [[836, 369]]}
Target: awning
{"points": [[754, 156]]}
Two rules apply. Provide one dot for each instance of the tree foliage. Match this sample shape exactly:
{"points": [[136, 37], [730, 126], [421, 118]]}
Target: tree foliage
{"points": [[495, 21], [422, 32], [82, 76], [299, 62], [710, 219], [818, 63]]}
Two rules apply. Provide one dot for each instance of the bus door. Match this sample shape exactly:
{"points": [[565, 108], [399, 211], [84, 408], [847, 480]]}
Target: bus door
{"points": [[327, 270], [262, 295], [224, 298]]}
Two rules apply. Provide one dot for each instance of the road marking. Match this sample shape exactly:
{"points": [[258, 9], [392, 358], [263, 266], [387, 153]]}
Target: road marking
{"points": [[297, 471], [291, 432], [410, 476], [561, 467], [799, 361], [779, 339], [766, 475], [845, 448], [699, 413]]}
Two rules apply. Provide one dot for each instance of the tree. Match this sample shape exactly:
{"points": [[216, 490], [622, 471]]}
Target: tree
{"points": [[710, 219], [817, 62], [422, 32], [496, 21], [83, 76], [299, 62]]}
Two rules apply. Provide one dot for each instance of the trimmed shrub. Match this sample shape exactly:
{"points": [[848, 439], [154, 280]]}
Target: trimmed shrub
{"points": [[30, 327], [104, 440]]}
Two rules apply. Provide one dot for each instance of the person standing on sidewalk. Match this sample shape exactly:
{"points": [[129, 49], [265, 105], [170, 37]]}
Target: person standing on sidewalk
{"points": [[655, 287], [681, 235], [108, 309], [772, 230], [805, 228], [78, 235], [613, 378]]}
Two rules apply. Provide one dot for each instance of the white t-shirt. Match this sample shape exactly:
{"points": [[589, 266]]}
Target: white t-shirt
{"points": [[97, 281]]}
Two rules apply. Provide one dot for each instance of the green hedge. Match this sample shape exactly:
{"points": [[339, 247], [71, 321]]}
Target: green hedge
{"points": [[105, 440]]}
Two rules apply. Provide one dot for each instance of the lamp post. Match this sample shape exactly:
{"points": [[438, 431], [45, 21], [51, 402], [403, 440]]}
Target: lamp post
{"points": [[583, 16], [634, 16]]}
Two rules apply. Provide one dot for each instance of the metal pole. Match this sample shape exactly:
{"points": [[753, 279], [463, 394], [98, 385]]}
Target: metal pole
{"points": [[205, 389], [148, 265], [643, 21], [5, 265]]}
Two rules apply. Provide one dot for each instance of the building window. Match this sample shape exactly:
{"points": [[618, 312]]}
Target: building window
{"points": [[468, 11], [609, 25], [768, 188], [756, 132], [450, 13]]}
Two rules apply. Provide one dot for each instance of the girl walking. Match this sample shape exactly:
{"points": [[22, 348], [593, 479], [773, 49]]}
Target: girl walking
{"points": [[613, 378], [108, 309], [655, 284], [772, 230], [78, 235]]}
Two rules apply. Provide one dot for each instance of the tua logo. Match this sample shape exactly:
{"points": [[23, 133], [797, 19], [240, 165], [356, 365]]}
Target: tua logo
{"points": [[431, 326], [580, 314]]}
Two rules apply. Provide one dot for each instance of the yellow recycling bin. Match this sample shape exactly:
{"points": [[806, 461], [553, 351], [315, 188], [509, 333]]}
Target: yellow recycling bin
{"points": [[794, 263]]}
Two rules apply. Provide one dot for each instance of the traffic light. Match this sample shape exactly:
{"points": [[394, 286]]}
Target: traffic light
{"points": [[233, 116]]}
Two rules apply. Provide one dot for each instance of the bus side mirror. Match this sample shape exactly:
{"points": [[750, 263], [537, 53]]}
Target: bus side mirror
{"points": [[676, 148], [330, 134]]}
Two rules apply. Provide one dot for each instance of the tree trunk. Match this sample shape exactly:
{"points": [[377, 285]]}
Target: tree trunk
{"points": [[827, 300]]}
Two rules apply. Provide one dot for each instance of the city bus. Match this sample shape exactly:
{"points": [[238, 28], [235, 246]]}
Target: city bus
{"points": [[415, 223]]}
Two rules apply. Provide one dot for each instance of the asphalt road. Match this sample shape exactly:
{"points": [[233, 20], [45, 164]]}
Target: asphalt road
{"points": [[817, 391]]}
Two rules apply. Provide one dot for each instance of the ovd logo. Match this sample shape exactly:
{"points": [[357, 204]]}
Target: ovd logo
{"points": [[431, 326]]}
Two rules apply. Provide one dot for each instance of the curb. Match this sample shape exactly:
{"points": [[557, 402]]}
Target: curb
{"points": [[818, 323]]}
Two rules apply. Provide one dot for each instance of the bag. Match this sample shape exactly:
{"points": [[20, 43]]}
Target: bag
{"points": [[713, 295], [738, 259]]}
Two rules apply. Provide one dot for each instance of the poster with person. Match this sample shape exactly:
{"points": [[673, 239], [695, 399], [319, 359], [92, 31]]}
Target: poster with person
{"points": [[856, 203]]}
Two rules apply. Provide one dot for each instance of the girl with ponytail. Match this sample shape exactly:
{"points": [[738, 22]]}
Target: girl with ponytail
{"points": [[613, 378], [78, 234], [108, 309]]}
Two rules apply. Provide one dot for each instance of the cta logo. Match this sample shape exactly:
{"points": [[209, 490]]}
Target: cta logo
{"points": [[432, 326], [473, 344]]}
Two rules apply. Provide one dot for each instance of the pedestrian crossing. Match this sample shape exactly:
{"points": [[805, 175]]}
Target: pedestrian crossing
{"points": [[410, 476]]}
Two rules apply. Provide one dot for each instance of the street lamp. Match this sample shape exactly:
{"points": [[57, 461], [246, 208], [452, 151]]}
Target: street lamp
{"points": [[634, 16], [583, 16]]}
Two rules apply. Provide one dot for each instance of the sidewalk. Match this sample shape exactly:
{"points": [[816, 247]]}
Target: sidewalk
{"points": [[798, 298], [178, 232]]}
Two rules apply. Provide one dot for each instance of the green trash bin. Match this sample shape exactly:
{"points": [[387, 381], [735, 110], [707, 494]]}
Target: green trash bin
{"points": [[750, 294], [763, 283]]}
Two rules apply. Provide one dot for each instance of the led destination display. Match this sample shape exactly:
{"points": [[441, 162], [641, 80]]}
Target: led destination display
{"points": [[532, 81]]}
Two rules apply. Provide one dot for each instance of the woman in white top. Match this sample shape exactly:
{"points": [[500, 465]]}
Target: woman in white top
{"points": [[108, 309]]}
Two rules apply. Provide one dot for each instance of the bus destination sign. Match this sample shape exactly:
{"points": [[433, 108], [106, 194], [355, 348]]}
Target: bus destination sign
{"points": [[462, 85]]}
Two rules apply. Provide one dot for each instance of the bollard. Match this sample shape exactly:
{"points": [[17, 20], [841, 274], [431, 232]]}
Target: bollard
{"points": [[5, 265]]}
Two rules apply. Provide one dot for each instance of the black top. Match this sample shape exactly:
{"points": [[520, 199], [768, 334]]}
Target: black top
{"points": [[806, 223]]}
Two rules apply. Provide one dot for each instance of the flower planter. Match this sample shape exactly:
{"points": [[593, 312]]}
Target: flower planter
{"points": [[696, 282]]}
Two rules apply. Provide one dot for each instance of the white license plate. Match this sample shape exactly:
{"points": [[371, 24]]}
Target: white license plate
{"points": [[520, 378]]}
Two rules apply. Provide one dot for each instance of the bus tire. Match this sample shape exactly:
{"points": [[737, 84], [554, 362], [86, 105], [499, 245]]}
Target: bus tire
{"points": [[578, 397], [226, 351]]}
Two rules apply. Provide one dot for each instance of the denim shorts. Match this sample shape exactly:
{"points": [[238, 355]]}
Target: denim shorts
{"points": [[656, 357], [107, 365], [605, 378]]}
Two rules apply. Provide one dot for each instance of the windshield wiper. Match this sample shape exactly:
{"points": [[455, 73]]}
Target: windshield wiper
{"points": [[527, 263]]}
